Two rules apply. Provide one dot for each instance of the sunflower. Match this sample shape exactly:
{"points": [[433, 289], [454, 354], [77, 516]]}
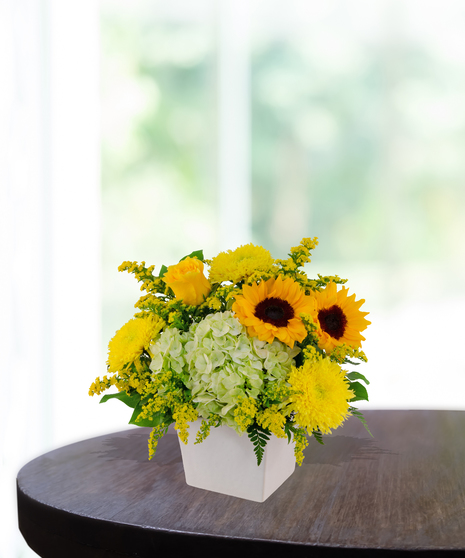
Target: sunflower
{"points": [[338, 318], [129, 341], [243, 263], [320, 396], [272, 308]]}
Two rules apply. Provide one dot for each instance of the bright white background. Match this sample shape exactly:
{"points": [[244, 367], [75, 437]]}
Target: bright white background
{"points": [[68, 87]]}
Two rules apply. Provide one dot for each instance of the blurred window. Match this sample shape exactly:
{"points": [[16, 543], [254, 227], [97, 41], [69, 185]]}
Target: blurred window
{"points": [[342, 120]]}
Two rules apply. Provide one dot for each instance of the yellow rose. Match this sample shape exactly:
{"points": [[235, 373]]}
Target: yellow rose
{"points": [[187, 281]]}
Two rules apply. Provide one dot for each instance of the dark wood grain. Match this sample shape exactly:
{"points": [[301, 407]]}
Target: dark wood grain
{"points": [[401, 493]]}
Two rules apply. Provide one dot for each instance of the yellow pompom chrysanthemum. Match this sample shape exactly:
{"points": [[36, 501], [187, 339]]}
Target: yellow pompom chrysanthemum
{"points": [[129, 341], [321, 395], [243, 263]]}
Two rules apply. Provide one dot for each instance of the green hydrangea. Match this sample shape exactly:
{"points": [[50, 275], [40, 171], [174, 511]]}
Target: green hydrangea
{"points": [[220, 363], [168, 351]]}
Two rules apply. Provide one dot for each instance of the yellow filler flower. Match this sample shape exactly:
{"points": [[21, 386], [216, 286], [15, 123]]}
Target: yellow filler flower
{"points": [[338, 318], [272, 308], [188, 281]]}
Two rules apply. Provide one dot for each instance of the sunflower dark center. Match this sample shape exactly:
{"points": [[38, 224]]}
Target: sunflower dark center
{"points": [[274, 311], [333, 321]]}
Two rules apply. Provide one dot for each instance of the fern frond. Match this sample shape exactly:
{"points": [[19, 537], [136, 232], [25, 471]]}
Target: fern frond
{"points": [[259, 438], [318, 436], [361, 418]]}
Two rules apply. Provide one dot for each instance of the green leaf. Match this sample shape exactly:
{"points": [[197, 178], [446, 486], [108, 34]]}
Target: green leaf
{"points": [[130, 400], [156, 420], [259, 438], [196, 254], [361, 418], [357, 376], [359, 390], [163, 270], [289, 429]]}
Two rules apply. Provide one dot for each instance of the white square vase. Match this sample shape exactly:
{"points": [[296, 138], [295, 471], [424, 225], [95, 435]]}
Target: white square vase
{"points": [[226, 463]]}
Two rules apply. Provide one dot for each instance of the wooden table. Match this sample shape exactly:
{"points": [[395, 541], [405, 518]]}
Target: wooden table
{"points": [[399, 492]]}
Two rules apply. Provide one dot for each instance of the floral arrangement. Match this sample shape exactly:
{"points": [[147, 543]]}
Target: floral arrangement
{"points": [[257, 346]]}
